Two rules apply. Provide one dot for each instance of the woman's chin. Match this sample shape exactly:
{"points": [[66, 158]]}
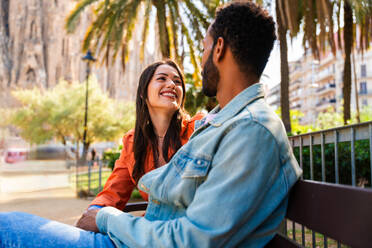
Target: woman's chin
{"points": [[167, 108]]}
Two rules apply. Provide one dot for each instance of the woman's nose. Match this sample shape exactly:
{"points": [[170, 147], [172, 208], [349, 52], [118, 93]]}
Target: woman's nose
{"points": [[171, 84]]}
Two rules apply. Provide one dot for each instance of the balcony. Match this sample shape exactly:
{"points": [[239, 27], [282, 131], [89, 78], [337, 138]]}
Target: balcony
{"points": [[365, 93], [297, 106], [325, 101], [326, 88], [294, 96], [325, 73], [296, 82]]}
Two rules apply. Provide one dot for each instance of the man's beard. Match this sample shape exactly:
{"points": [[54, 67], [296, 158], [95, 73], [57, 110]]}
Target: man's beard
{"points": [[210, 77]]}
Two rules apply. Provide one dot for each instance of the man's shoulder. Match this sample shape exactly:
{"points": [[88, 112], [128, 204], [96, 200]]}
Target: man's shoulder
{"points": [[259, 114], [264, 115]]}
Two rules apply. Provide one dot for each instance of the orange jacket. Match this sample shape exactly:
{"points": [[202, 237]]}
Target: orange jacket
{"points": [[120, 184]]}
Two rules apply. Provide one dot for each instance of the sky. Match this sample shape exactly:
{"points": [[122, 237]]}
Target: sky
{"points": [[271, 74]]}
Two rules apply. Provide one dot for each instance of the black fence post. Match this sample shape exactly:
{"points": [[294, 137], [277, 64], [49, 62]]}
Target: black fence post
{"points": [[89, 175]]}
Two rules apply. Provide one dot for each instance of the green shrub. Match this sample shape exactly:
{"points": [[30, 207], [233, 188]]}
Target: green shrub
{"points": [[362, 162], [110, 156]]}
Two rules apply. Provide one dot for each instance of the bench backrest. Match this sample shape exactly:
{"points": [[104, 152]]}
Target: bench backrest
{"points": [[342, 213]]}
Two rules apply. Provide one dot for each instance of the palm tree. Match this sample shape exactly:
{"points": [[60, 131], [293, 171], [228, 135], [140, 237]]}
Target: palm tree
{"points": [[115, 20], [284, 70], [319, 16], [348, 44], [362, 11]]}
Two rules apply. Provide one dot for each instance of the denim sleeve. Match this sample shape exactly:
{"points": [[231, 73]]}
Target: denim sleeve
{"points": [[244, 196], [95, 207]]}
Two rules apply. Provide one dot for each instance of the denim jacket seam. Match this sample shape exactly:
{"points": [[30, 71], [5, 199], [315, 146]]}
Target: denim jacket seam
{"points": [[271, 179], [236, 111], [277, 146]]}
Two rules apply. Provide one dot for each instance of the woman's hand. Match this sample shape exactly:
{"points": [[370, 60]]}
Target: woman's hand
{"points": [[88, 221]]}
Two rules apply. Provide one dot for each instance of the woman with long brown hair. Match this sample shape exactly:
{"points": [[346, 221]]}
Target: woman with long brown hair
{"points": [[162, 127]]}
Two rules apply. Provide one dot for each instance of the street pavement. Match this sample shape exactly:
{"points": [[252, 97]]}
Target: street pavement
{"points": [[41, 188], [55, 204], [34, 175]]}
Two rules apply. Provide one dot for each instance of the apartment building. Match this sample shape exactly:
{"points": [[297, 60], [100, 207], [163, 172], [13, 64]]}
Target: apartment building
{"points": [[315, 86]]}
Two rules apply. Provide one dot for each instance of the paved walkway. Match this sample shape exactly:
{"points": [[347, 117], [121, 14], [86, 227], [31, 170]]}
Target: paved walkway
{"points": [[56, 204]]}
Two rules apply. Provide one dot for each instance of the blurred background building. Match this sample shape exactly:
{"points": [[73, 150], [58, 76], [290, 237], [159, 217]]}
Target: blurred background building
{"points": [[35, 50], [315, 86]]}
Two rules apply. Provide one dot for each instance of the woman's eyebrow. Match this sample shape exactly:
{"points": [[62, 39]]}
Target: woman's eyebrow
{"points": [[165, 74]]}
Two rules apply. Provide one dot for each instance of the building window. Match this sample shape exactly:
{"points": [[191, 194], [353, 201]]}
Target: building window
{"points": [[363, 88], [363, 71]]}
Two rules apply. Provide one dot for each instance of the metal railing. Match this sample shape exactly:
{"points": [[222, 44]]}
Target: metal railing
{"points": [[328, 152], [90, 178]]}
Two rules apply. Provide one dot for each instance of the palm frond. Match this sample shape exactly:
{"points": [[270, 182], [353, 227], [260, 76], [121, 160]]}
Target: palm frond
{"points": [[96, 28], [338, 14], [329, 6], [131, 15], [175, 19], [145, 29], [363, 16], [310, 28], [282, 13], [115, 15], [193, 58], [197, 33], [162, 25], [73, 18], [292, 10], [211, 6], [321, 21], [195, 12]]}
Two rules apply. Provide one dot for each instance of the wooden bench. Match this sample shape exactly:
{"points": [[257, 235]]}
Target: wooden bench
{"points": [[342, 213]]}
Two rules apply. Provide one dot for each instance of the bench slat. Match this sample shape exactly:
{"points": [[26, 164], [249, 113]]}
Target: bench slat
{"points": [[135, 206], [343, 213], [282, 241]]}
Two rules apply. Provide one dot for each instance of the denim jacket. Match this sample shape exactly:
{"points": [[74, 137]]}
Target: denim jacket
{"points": [[227, 187]]}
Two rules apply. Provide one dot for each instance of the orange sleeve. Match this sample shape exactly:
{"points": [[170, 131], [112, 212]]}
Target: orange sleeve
{"points": [[188, 126], [198, 116], [119, 185]]}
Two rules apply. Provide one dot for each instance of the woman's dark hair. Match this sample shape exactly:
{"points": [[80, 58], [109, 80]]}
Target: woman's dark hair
{"points": [[144, 133]]}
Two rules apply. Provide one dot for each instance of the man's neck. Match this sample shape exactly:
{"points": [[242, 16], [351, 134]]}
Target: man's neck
{"points": [[231, 84]]}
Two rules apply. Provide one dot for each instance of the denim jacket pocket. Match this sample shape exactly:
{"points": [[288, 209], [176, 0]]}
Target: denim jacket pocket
{"points": [[191, 166], [196, 168], [191, 171]]}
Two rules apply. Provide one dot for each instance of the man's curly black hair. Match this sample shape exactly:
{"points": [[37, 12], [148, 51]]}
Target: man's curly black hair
{"points": [[249, 31]]}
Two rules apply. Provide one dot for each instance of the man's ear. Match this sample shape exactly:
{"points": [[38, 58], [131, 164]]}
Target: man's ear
{"points": [[219, 49]]}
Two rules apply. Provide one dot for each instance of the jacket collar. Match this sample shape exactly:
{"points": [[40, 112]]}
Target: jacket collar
{"points": [[244, 98]]}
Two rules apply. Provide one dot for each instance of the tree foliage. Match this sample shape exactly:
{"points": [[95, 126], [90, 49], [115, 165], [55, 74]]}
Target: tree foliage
{"points": [[179, 23], [196, 101], [297, 128], [59, 113], [331, 118]]}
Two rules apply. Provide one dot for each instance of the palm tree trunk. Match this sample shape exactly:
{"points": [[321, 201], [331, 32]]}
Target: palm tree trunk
{"points": [[284, 71], [348, 43], [162, 24], [356, 89]]}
